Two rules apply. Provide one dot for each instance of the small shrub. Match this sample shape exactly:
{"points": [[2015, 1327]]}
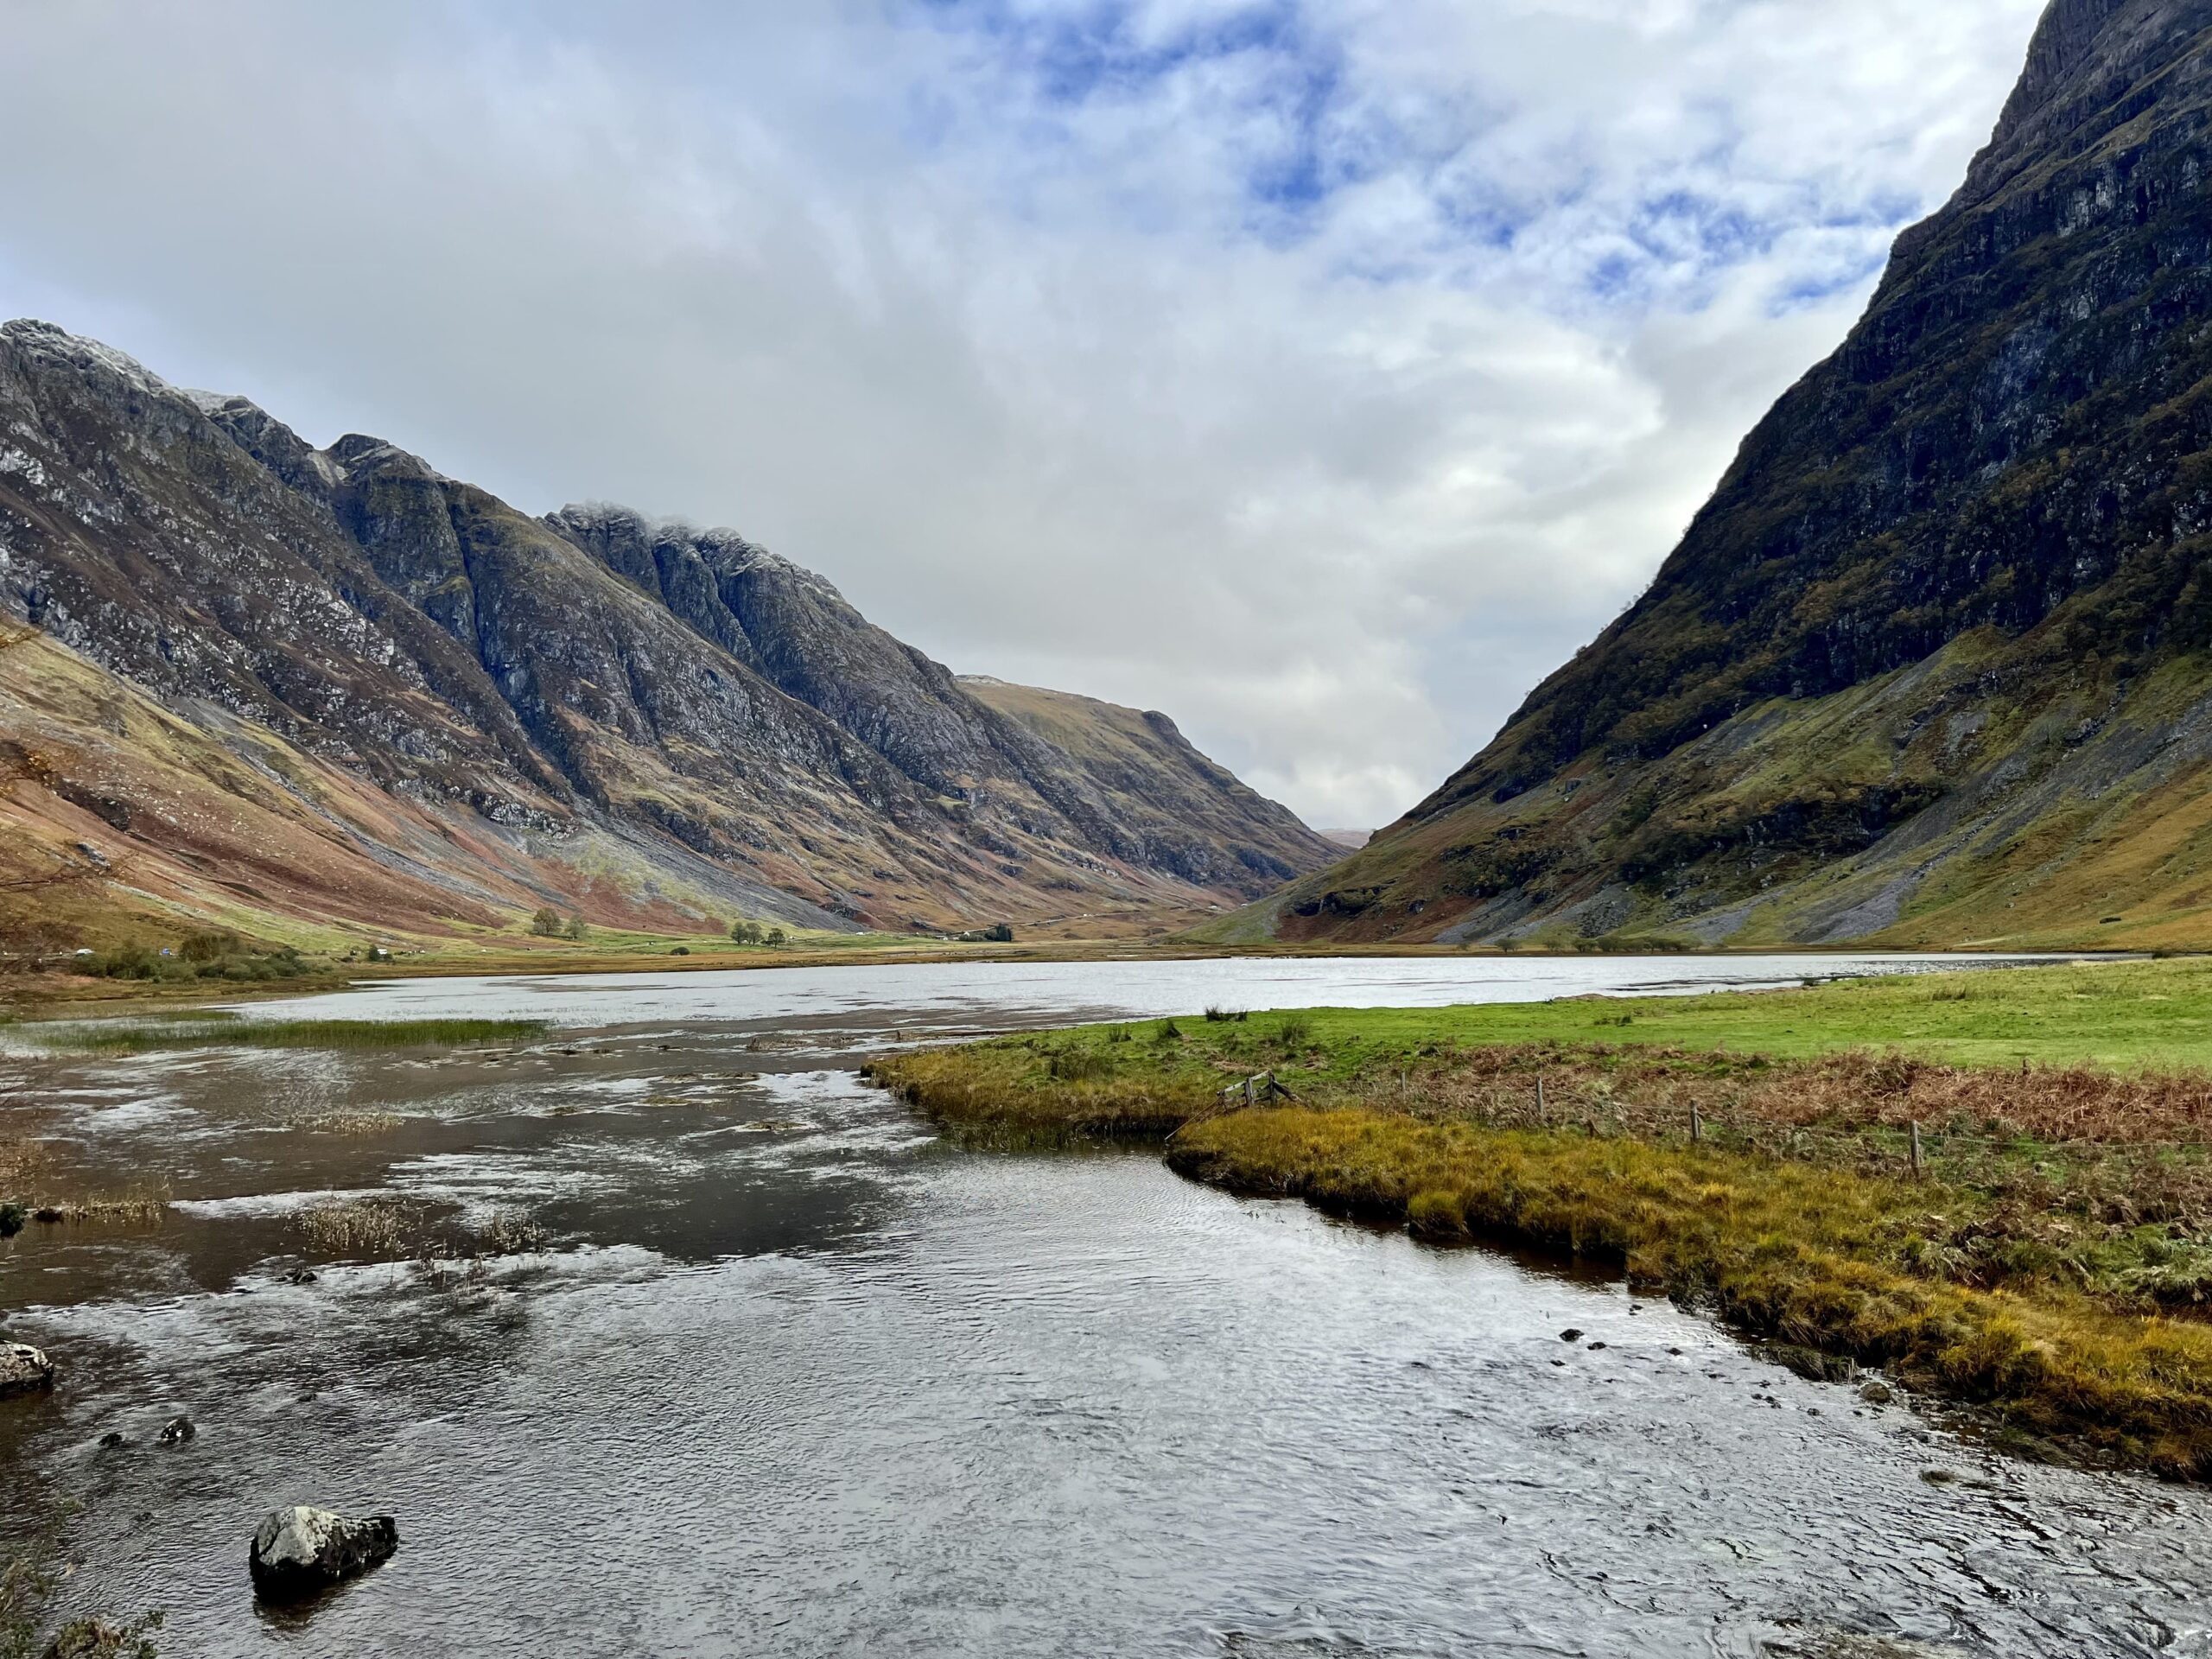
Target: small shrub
{"points": [[210, 947], [681, 950], [1169, 1032], [1295, 1030]]}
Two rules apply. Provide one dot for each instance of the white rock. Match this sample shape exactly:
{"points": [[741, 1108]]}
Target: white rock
{"points": [[301, 1550], [23, 1368]]}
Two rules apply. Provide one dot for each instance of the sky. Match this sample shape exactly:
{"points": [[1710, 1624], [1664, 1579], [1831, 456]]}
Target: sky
{"points": [[1323, 373]]}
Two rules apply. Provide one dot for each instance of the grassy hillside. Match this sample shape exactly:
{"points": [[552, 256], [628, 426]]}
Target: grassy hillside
{"points": [[1934, 665]]}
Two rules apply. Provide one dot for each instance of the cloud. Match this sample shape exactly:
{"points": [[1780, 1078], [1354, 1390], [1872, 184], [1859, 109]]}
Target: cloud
{"points": [[1323, 373]]}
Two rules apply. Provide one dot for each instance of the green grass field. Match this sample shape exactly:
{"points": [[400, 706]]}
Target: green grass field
{"points": [[2127, 1015]]}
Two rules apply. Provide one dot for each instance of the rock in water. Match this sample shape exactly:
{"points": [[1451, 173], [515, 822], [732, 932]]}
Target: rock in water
{"points": [[298, 1551], [23, 1369], [178, 1428]]}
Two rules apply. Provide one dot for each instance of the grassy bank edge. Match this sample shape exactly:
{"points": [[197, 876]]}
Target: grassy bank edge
{"points": [[1780, 1253], [1821, 1259]]}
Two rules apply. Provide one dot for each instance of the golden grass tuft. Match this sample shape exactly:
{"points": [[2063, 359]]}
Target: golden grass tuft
{"points": [[378, 1230]]}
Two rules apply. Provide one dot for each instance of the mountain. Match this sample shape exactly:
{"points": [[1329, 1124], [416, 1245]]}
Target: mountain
{"points": [[264, 684], [1934, 664]]}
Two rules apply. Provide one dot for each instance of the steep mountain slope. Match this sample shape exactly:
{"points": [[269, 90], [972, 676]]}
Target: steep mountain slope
{"points": [[1179, 807], [1932, 664], [469, 712]]}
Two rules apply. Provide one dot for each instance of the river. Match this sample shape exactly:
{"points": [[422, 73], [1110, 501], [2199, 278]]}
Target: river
{"points": [[789, 1376]]}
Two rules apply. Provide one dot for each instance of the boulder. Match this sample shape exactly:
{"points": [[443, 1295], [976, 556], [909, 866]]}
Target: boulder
{"points": [[23, 1369], [178, 1428], [299, 1551]]}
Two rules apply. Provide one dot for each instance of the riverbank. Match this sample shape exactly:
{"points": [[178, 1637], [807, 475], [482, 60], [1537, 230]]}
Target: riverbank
{"points": [[30, 995], [2048, 1260]]}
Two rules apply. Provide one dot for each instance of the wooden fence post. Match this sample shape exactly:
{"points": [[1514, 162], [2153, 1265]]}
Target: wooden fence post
{"points": [[1697, 1124], [1543, 1117], [1916, 1149]]}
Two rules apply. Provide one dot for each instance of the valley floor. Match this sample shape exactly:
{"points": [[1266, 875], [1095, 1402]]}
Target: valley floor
{"points": [[1995, 1186]]}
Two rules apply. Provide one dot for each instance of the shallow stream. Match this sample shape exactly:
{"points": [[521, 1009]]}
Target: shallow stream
{"points": [[788, 1376]]}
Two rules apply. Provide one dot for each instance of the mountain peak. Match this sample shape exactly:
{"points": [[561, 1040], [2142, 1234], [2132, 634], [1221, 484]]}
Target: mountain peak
{"points": [[1940, 644], [49, 343], [2086, 56]]}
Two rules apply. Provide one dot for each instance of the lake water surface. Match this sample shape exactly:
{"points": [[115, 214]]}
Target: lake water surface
{"points": [[789, 1376]]}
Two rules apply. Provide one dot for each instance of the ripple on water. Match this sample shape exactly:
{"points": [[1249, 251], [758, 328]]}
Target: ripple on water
{"points": [[795, 1386]]}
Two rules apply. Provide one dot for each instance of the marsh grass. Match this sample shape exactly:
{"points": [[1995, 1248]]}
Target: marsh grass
{"points": [[120, 1038], [2053, 1264], [375, 1229], [1814, 1258], [361, 1123], [392, 1228], [27, 1198], [137, 1207]]}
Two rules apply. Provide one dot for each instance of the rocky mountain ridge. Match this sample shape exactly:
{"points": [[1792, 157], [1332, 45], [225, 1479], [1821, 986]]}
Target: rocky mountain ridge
{"points": [[637, 720], [1934, 664]]}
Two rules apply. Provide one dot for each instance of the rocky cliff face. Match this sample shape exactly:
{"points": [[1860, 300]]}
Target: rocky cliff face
{"points": [[1934, 652], [643, 721]]}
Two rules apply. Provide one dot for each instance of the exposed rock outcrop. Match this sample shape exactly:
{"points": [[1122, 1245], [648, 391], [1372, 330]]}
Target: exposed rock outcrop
{"points": [[300, 1551]]}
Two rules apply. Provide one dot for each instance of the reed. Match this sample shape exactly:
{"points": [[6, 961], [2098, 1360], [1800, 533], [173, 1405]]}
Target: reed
{"points": [[377, 1230], [121, 1038]]}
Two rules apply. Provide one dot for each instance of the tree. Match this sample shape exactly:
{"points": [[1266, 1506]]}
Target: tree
{"points": [[775, 937], [546, 923], [575, 930], [745, 932]]}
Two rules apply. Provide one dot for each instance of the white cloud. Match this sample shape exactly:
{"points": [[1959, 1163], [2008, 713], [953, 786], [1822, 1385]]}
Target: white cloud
{"points": [[1323, 373]]}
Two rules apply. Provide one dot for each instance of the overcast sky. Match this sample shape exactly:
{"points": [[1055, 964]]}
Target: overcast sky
{"points": [[1321, 372]]}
